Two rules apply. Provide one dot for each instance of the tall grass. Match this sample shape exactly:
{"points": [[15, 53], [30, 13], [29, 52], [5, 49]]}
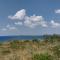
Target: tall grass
{"points": [[45, 56]]}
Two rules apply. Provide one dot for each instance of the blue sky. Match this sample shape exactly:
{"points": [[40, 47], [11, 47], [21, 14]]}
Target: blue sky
{"points": [[29, 17]]}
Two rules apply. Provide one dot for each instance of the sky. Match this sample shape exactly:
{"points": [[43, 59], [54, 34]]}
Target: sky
{"points": [[29, 17]]}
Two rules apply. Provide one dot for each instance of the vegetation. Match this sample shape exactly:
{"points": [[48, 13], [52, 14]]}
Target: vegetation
{"points": [[47, 49], [15, 44], [42, 57], [56, 51], [5, 51]]}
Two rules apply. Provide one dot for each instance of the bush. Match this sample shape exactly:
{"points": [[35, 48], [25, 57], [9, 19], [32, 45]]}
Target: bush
{"points": [[52, 38], [56, 51], [15, 44], [25, 42], [0, 44], [42, 57], [35, 40]]}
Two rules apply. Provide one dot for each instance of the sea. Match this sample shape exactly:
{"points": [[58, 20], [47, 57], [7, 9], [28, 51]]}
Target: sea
{"points": [[8, 38]]}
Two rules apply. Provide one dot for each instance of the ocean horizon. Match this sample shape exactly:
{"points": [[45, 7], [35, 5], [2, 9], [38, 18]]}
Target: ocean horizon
{"points": [[21, 37]]}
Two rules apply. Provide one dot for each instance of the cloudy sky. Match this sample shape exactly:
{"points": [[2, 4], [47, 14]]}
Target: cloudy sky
{"points": [[29, 17]]}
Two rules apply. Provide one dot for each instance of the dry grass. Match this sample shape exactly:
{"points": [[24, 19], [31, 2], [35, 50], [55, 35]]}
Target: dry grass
{"points": [[26, 50]]}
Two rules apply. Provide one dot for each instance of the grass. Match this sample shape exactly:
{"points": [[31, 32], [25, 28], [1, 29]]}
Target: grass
{"points": [[44, 56], [15, 44], [5, 52], [47, 49]]}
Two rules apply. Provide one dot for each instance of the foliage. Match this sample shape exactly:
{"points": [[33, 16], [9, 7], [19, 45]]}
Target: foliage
{"points": [[29, 49], [0, 44], [42, 57], [52, 38], [35, 40], [15, 44], [26, 41], [56, 51]]}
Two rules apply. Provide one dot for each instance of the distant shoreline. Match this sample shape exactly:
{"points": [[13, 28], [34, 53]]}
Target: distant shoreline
{"points": [[8, 38]]}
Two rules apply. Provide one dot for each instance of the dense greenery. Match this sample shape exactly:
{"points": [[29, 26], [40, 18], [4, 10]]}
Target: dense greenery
{"points": [[56, 51], [52, 38], [45, 56]]}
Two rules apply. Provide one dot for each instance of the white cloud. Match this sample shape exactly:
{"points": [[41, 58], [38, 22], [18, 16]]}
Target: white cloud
{"points": [[54, 24], [34, 21], [10, 27], [4, 29], [35, 18], [57, 11], [19, 15], [18, 23], [44, 24], [29, 21]]}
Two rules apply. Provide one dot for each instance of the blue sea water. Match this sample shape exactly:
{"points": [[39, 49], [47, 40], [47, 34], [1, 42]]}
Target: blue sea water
{"points": [[8, 38]]}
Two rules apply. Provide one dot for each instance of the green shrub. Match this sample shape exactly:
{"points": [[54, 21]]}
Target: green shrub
{"points": [[52, 38], [26, 41], [42, 57], [15, 44], [0, 44], [56, 51], [35, 40]]}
